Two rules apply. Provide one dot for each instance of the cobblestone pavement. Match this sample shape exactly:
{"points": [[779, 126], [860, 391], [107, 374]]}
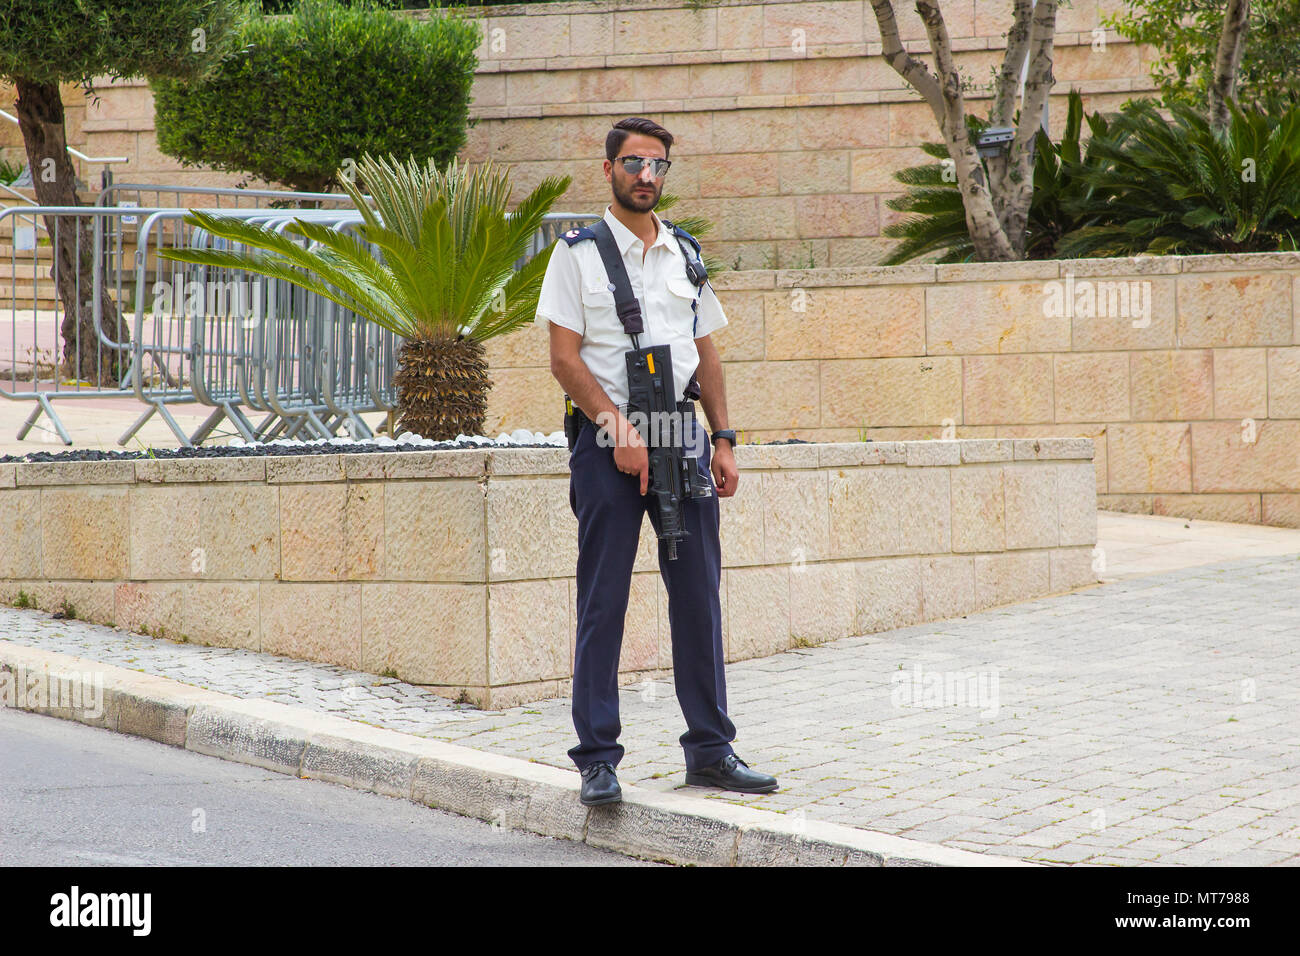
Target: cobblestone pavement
{"points": [[1148, 720]]}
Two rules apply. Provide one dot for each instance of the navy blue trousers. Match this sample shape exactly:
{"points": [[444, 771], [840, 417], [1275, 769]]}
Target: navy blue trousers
{"points": [[610, 509]]}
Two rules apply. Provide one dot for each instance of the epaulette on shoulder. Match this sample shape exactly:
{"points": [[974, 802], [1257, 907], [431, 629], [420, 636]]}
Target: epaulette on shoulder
{"points": [[577, 235], [679, 231]]}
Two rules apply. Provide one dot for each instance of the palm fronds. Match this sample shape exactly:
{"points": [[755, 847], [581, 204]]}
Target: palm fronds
{"points": [[935, 224], [1177, 185], [447, 248]]}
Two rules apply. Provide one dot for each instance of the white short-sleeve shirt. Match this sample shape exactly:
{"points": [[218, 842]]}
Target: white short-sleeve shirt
{"points": [[576, 295]]}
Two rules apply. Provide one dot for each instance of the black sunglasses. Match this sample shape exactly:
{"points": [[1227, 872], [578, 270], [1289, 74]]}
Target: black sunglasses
{"points": [[634, 165]]}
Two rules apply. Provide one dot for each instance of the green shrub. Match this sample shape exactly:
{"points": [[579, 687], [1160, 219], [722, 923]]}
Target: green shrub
{"points": [[1185, 34], [9, 171], [305, 95], [1176, 186], [64, 41]]}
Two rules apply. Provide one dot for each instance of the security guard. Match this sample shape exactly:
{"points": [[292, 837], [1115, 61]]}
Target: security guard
{"points": [[609, 469]]}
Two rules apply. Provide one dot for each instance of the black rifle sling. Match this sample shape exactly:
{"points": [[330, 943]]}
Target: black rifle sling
{"points": [[625, 301], [629, 309]]}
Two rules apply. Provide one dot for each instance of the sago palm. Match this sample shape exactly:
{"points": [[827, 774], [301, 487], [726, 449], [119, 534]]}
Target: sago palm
{"points": [[444, 280], [1177, 185]]}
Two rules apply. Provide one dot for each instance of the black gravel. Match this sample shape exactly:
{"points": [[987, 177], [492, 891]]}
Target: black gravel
{"points": [[239, 451]]}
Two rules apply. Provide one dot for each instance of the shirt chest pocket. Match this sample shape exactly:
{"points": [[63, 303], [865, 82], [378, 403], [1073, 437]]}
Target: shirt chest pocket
{"points": [[601, 317], [681, 300], [598, 304]]}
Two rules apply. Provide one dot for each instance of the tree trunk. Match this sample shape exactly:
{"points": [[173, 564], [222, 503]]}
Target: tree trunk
{"points": [[442, 387], [1232, 39], [85, 358], [997, 205]]}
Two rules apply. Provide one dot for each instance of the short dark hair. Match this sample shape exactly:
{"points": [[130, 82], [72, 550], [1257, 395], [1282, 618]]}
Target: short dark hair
{"points": [[635, 124]]}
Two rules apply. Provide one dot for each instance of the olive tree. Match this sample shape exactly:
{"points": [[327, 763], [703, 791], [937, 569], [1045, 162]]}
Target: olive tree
{"points": [[996, 192], [44, 43]]}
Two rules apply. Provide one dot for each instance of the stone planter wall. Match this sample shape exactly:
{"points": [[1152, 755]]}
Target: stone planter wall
{"points": [[1192, 397], [454, 569]]}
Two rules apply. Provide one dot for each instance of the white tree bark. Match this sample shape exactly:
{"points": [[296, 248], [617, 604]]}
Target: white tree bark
{"points": [[997, 206], [1232, 39]]}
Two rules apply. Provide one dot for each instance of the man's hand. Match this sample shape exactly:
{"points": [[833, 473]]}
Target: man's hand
{"points": [[723, 466], [630, 455]]}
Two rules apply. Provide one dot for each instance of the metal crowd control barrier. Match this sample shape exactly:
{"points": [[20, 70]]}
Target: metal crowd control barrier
{"points": [[554, 224], [258, 343], [169, 197], [223, 338], [37, 340]]}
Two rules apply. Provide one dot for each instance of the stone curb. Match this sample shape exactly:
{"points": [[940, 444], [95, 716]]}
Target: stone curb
{"points": [[501, 790]]}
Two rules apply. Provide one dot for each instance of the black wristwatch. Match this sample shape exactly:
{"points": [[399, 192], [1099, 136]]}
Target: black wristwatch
{"points": [[726, 433]]}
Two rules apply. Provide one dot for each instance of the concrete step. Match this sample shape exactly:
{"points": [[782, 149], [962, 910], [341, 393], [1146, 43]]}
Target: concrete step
{"points": [[41, 253], [21, 296]]}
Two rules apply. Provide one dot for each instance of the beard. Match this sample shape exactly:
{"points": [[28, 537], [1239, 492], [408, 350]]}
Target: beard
{"points": [[630, 199]]}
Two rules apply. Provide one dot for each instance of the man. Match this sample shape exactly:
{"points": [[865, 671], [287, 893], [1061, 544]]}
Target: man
{"points": [[609, 469]]}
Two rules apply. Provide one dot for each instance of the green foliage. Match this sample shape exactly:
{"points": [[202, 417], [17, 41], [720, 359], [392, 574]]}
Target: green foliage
{"points": [[448, 250], [936, 221], [24, 600], [697, 226], [936, 218], [303, 95], [9, 171], [1176, 186], [1186, 32], [55, 41]]}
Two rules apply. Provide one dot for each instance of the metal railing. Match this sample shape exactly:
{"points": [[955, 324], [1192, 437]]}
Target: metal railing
{"points": [[106, 174], [240, 344], [259, 198], [84, 360], [256, 343]]}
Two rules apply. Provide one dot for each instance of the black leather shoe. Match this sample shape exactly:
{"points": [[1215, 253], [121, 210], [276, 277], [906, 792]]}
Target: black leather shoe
{"points": [[599, 785], [732, 773]]}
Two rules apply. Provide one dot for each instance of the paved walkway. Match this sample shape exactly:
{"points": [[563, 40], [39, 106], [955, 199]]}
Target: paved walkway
{"points": [[1136, 545], [1146, 720]]}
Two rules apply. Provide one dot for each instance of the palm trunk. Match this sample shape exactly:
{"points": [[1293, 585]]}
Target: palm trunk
{"points": [[442, 387], [41, 120]]}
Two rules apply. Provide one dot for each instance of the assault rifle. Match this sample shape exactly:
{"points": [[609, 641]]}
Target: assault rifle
{"points": [[664, 425]]}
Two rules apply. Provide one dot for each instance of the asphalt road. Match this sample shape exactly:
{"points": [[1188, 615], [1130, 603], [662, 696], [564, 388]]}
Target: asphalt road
{"points": [[72, 795]]}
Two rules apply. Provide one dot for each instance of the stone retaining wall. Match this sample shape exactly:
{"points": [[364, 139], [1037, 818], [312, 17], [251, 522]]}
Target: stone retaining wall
{"points": [[1185, 370], [454, 569], [789, 124]]}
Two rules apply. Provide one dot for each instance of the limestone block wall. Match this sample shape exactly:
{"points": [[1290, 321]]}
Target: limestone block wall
{"points": [[1185, 371], [789, 125], [454, 569]]}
